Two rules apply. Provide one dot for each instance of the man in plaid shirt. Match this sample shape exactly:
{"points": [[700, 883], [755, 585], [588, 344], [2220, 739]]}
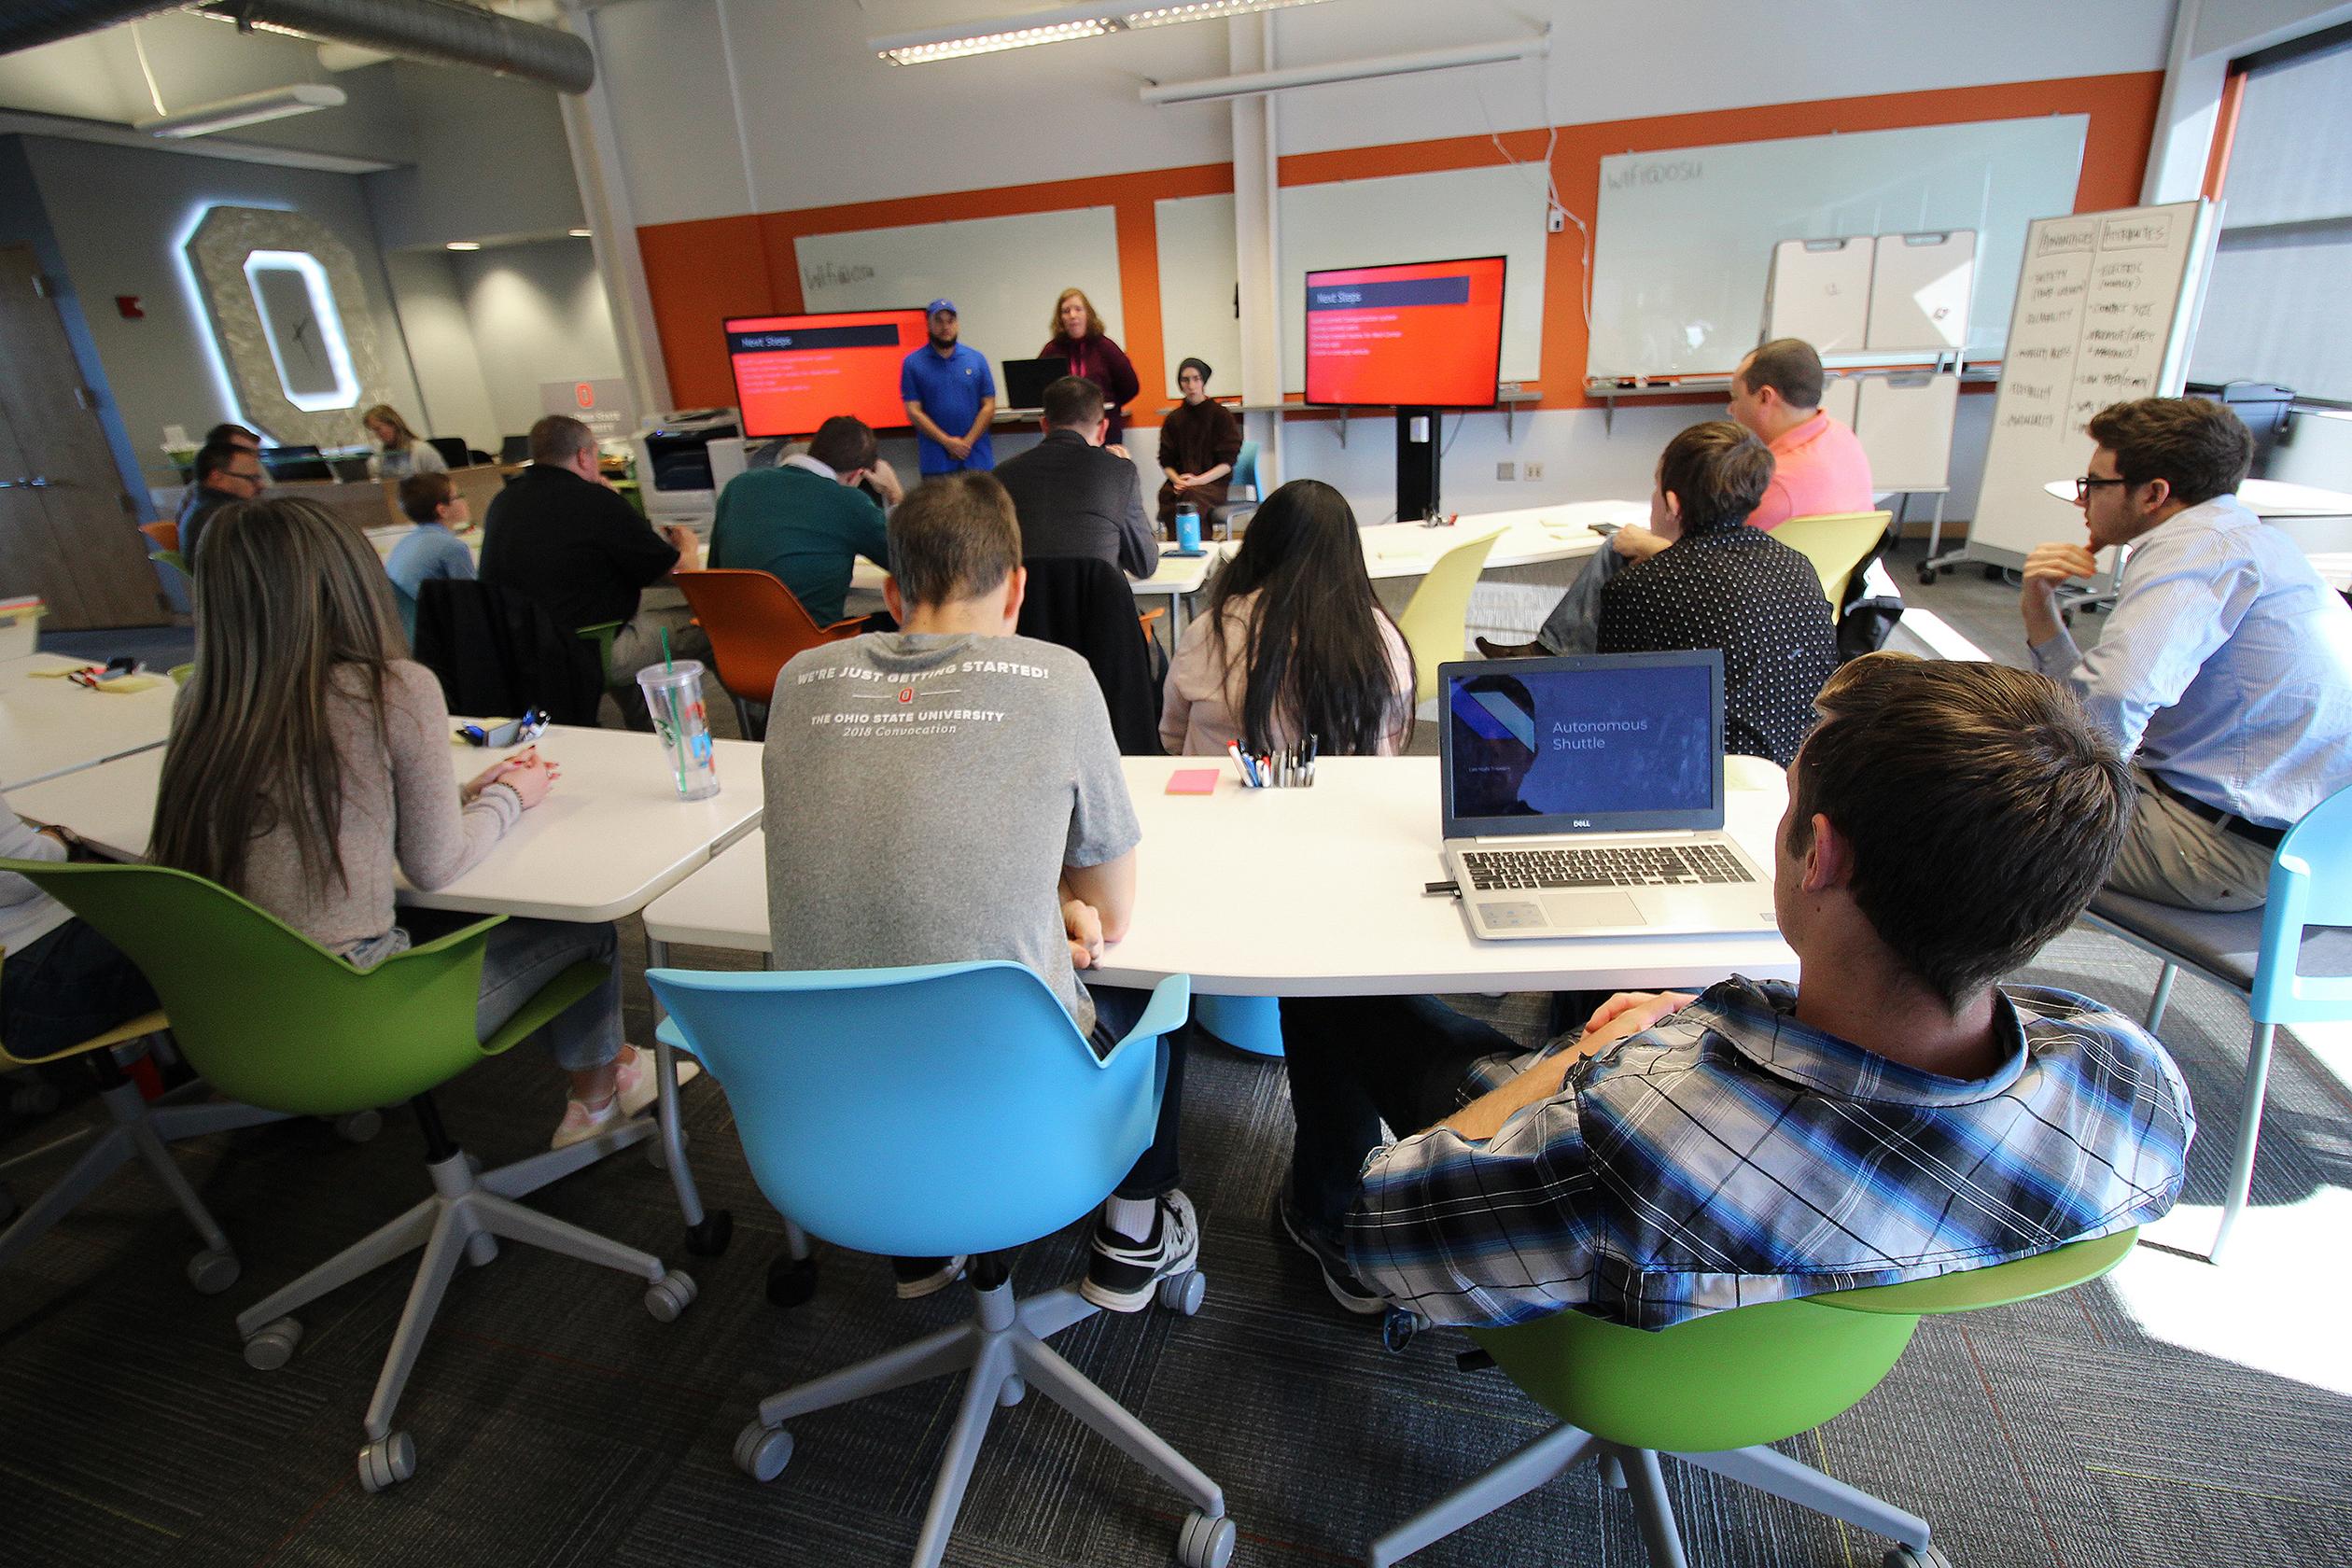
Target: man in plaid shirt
{"points": [[1895, 1115]]}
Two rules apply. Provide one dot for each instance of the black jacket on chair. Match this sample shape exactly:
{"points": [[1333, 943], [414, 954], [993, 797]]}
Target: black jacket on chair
{"points": [[498, 654], [1085, 604]]}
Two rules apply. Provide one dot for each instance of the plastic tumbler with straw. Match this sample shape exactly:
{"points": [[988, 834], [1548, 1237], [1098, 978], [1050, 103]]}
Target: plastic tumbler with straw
{"points": [[673, 695]]}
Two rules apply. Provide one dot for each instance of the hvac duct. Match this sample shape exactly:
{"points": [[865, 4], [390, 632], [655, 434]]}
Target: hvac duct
{"points": [[438, 30]]}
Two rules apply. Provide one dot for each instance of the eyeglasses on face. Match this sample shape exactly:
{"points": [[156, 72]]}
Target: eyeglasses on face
{"points": [[2085, 484]]}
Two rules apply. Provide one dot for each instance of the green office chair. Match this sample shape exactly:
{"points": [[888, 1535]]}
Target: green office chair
{"points": [[601, 635], [1717, 1392], [274, 1020]]}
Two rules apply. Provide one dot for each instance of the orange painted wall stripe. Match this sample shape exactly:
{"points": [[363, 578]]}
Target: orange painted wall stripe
{"points": [[2224, 134], [2122, 119]]}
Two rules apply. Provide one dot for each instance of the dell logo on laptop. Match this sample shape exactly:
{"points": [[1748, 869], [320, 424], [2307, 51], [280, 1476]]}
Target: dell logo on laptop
{"points": [[1580, 822]]}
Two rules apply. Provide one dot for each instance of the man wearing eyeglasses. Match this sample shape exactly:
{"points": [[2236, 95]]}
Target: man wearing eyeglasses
{"points": [[2225, 669]]}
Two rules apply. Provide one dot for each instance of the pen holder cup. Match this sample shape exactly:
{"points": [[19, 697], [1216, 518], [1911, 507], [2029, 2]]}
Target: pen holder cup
{"points": [[674, 697]]}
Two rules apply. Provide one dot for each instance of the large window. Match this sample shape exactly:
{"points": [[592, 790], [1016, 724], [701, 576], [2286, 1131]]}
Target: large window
{"points": [[2279, 307]]}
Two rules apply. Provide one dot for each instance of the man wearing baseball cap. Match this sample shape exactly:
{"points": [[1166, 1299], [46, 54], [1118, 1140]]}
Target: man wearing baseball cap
{"points": [[950, 398]]}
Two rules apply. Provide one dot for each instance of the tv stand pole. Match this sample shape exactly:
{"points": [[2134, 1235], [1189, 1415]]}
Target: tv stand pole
{"points": [[1415, 464]]}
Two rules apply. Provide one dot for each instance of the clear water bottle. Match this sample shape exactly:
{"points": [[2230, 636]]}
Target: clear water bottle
{"points": [[674, 696]]}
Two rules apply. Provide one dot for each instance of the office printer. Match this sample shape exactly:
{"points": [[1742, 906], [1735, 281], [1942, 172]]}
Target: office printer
{"points": [[683, 461]]}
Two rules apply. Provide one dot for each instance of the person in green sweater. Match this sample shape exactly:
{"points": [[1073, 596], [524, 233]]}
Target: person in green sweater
{"points": [[806, 520]]}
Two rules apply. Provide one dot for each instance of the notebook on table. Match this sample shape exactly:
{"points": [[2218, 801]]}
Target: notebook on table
{"points": [[1584, 797]]}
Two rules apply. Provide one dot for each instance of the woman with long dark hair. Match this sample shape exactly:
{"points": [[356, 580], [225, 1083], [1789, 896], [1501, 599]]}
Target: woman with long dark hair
{"points": [[309, 756], [1293, 643]]}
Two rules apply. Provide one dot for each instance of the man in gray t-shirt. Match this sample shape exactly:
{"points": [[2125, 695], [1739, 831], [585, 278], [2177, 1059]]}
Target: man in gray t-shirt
{"points": [[952, 791]]}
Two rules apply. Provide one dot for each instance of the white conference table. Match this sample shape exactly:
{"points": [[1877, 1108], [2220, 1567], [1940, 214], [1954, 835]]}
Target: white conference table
{"points": [[611, 838], [48, 727], [1303, 892]]}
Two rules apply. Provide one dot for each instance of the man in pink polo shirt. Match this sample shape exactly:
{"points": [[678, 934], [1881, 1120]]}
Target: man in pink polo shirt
{"points": [[1817, 467]]}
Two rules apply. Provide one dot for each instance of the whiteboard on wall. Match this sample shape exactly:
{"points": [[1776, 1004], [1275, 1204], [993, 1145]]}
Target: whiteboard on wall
{"points": [[1199, 289], [1493, 210], [1919, 291], [2106, 309], [1684, 238], [1820, 291], [1002, 273]]}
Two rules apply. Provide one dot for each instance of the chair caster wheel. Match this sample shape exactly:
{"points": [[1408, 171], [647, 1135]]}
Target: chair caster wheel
{"points": [[212, 1272], [386, 1461], [1929, 1556], [359, 1127], [1011, 1392], [1183, 1293], [790, 1282], [710, 1238], [272, 1345], [669, 1296], [761, 1452], [1397, 1328], [1204, 1542]]}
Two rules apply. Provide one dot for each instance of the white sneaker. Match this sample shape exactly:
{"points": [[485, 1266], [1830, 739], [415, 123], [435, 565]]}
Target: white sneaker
{"points": [[580, 1123], [639, 1083], [1123, 1273]]}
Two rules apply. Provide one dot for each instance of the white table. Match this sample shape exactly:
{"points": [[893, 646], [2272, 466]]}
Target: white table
{"points": [[51, 726], [1304, 893], [611, 838], [1523, 538]]}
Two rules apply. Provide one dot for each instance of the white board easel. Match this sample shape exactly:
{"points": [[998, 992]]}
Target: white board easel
{"points": [[1920, 288], [1820, 290]]}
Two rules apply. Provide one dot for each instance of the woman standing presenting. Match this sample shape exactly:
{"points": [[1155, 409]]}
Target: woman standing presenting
{"points": [[1199, 442], [1078, 337], [401, 451]]}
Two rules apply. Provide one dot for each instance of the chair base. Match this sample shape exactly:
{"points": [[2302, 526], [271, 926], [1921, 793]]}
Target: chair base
{"points": [[464, 1220], [1002, 1348], [139, 1131], [1637, 1470]]}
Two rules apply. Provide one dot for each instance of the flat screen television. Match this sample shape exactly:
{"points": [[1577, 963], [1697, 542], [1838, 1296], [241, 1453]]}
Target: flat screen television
{"points": [[794, 372], [1424, 334]]}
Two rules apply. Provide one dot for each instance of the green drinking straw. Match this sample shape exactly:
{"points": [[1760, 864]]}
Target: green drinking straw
{"points": [[677, 727]]}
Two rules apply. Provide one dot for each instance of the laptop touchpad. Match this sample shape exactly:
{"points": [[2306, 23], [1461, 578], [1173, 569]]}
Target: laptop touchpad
{"points": [[1573, 911]]}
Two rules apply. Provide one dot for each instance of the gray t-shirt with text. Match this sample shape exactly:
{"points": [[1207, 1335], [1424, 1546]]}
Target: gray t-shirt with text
{"points": [[924, 792]]}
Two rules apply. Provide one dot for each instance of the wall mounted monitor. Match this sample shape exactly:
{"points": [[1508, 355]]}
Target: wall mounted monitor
{"points": [[1426, 334], [794, 372]]}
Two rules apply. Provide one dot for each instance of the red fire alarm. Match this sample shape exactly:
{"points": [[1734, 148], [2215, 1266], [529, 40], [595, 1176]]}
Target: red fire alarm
{"points": [[129, 305]]}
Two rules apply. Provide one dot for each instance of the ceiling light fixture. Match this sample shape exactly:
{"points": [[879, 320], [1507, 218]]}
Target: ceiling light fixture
{"points": [[1056, 27], [250, 108], [464, 244], [582, 233], [1217, 89]]}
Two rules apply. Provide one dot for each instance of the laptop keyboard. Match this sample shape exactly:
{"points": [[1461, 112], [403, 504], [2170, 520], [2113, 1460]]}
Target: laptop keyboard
{"points": [[1656, 865]]}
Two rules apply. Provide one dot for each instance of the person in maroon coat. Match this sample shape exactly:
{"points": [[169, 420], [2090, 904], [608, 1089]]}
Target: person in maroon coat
{"points": [[1078, 337]]}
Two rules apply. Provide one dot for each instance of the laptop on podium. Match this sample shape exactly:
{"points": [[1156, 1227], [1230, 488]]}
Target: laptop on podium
{"points": [[1584, 797]]}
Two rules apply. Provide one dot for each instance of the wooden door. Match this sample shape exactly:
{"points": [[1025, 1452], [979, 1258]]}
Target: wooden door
{"points": [[68, 531]]}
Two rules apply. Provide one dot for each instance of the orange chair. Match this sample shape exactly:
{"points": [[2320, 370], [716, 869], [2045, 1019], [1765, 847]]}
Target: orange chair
{"points": [[755, 626], [165, 534]]}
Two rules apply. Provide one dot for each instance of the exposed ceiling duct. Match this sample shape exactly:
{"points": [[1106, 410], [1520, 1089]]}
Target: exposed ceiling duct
{"points": [[444, 31]]}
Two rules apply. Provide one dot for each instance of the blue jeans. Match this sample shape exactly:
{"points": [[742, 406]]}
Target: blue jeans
{"points": [[64, 987], [1574, 625], [518, 959]]}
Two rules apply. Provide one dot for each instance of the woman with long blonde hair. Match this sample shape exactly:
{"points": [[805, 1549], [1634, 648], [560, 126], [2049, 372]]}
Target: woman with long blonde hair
{"points": [[400, 450], [1079, 338], [309, 756]]}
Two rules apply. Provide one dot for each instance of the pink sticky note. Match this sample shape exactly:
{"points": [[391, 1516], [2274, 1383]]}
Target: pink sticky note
{"points": [[1192, 781]]}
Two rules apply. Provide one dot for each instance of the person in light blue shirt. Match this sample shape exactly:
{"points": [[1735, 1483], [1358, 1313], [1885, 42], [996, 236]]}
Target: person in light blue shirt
{"points": [[2225, 669], [950, 398], [429, 552]]}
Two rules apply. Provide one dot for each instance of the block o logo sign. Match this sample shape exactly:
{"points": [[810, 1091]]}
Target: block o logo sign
{"points": [[585, 394]]}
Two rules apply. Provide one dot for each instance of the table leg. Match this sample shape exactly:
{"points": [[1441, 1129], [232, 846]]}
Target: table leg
{"points": [[673, 1137]]}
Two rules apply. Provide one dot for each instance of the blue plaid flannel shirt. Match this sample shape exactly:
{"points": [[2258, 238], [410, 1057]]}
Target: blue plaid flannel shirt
{"points": [[1730, 1154]]}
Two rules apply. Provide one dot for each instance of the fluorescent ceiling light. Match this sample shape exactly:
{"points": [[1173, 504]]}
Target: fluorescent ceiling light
{"points": [[251, 108], [1215, 89], [1056, 27], [582, 233], [465, 244]]}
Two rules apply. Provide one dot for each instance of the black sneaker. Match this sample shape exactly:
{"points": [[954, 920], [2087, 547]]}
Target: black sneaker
{"points": [[1330, 1259], [1121, 1274], [920, 1276]]}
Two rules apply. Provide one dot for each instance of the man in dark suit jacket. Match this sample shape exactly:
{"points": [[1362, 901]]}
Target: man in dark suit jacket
{"points": [[1072, 496]]}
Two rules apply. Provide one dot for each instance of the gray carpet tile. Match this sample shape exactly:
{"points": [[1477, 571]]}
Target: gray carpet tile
{"points": [[557, 1425]]}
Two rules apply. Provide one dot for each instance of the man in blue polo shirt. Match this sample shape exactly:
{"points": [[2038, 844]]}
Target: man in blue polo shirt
{"points": [[950, 398]]}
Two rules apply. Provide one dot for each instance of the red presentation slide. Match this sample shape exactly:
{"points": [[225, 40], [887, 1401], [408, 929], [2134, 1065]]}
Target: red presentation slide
{"points": [[1424, 335], [794, 372]]}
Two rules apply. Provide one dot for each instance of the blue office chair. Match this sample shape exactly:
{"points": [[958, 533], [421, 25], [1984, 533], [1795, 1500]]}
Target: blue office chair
{"points": [[1244, 477], [1000, 1126], [1246, 1023], [2283, 957]]}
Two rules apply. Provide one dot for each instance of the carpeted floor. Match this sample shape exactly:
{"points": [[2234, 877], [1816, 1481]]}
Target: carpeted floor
{"points": [[2172, 1414]]}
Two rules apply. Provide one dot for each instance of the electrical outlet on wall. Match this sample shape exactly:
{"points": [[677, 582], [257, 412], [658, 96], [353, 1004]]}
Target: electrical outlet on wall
{"points": [[1506, 470], [1535, 471]]}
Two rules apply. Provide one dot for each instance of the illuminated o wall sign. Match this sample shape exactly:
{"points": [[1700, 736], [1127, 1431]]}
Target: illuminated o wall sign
{"points": [[291, 319]]}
